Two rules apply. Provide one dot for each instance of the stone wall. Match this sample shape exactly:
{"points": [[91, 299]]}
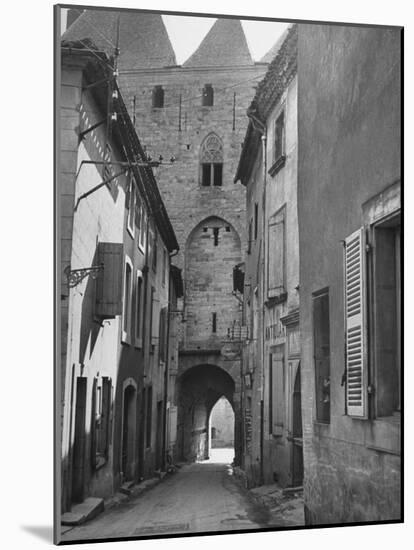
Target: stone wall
{"points": [[178, 129]]}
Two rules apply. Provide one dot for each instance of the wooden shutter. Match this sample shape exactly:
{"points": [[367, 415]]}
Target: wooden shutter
{"points": [[93, 424], [173, 425], [128, 192], [109, 281], [355, 325], [276, 256], [278, 391]]}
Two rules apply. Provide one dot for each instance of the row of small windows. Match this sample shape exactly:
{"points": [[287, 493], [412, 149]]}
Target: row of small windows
{"points": [[158, 96]]}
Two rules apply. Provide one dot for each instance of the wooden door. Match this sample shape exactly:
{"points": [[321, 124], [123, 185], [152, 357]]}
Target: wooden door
{"points": [[159, 436], [297, 443], [78, 464]]}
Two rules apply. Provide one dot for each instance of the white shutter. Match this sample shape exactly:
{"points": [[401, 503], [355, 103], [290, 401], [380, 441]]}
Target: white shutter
{"points": [[355, 325]]}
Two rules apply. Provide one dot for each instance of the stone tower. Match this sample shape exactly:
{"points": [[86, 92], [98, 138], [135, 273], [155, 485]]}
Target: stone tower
{"points": [[195, 112]]}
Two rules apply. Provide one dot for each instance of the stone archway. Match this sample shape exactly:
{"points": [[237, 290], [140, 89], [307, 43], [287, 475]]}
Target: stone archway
{"points": [[200, 387]]}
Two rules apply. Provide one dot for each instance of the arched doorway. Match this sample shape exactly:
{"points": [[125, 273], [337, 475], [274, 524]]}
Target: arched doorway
{"points": [[297, 443], [200, 388], [221, 427]]}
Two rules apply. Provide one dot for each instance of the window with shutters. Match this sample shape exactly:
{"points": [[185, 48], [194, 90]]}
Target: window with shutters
{"points": [[208, 96], [101, 410], [109, 282], [154, 320], [211, 158], [163, 334], [355, 327], [127, 299], [276, 287], [276, 389], [137, 215], [279, 156], [151, 243], [142, 228], [139, 309], [131, 208], [387, 316], [321, 354]]}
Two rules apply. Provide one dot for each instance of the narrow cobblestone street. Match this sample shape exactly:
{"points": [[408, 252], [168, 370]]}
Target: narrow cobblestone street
{"points": [[199, 497]]}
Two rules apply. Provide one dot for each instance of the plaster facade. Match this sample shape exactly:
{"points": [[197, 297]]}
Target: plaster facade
{"points": [[349, 142]]}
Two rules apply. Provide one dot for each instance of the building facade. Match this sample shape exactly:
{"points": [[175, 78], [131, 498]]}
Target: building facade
{"points": [[194, 113], [116, 241], [349, 208], [271, 360]]}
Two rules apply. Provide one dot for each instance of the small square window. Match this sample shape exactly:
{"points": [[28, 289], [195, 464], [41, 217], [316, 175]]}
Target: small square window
{"points": [[158, 97], [208, 96]]}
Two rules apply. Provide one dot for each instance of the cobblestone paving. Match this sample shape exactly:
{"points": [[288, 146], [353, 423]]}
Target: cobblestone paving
{"points": [[200, 497]]}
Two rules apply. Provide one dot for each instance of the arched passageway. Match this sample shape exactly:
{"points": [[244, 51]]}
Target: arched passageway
{"points": [[221, 426], [200, 388]]}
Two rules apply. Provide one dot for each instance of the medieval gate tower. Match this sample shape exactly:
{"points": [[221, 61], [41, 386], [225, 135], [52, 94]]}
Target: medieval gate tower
{"points": [[196, 113]]}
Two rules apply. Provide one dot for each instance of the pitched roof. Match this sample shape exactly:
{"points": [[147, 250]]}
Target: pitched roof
{"points": [[224, 45], [280, 73], [143, 38]]}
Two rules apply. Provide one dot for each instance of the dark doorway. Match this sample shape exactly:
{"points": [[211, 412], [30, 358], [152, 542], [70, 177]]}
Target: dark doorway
{"points": [[297, 449], [128, 433], [159, 436], [141, 441], [78, 465]]}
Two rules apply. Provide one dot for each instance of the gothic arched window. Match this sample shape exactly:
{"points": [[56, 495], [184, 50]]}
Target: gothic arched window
{"points": [[212, 161]]}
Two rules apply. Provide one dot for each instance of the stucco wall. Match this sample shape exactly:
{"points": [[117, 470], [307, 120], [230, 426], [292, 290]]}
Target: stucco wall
{"points": [[349, 144]]}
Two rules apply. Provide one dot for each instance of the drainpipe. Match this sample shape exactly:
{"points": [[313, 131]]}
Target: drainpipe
{"points": [[262, 129], [264, 164]]}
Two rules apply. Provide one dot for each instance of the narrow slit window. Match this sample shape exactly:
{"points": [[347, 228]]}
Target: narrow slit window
{"points": [[256, 215], [216, 235], [214, 322]]}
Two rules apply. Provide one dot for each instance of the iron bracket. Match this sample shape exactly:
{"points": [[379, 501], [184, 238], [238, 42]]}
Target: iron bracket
{"points": [[75, 276]]}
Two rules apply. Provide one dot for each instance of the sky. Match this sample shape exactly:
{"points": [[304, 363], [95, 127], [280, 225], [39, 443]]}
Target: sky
{"points": [[186, 33]]}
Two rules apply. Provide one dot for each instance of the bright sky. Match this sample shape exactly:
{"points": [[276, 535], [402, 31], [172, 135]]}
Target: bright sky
{"points": [[186, 33]]}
